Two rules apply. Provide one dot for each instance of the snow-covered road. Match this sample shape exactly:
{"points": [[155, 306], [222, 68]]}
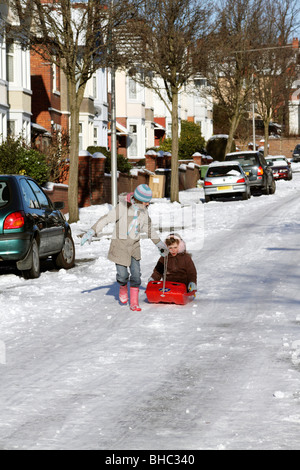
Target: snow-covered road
{"points": [[79, 371]]}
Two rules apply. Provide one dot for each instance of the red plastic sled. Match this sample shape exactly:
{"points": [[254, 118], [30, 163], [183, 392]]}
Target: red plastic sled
{"points": [[175, 293]]}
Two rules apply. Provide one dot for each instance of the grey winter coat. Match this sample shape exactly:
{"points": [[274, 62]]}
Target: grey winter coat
{"points": [[125, 241]]}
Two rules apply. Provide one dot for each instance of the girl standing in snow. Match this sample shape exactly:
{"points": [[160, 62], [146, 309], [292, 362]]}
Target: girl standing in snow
{"points": [[131, 218], [180, 266]]}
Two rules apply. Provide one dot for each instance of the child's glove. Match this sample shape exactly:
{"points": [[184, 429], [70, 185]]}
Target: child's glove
{"points": [[163, 249], [192, 286], [87, 237]]}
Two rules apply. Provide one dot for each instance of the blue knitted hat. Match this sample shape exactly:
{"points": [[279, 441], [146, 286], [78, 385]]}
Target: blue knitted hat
{"points": [[143, 193]]}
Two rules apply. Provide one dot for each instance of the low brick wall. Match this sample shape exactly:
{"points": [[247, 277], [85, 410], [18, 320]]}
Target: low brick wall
{"points": [[94, 186], [284, 146]]}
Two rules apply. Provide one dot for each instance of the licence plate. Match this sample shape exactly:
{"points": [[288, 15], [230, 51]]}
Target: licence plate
{"points": [[224, 188], [247, 173]]}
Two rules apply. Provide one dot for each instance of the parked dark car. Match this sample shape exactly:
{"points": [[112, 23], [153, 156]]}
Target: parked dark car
{"points": [[296, 153], [31, 227], [257, 169], [281, 167]]}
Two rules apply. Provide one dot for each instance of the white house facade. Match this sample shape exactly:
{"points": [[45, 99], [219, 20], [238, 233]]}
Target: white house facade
{"points": [[200, 105], [3, 83], [19, 91], [15, 84], [101, 109], [294, 109], [142, 114]]}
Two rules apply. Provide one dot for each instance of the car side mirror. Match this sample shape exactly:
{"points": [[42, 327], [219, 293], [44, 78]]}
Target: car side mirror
{"points": [[59, 205], [270, 163]]}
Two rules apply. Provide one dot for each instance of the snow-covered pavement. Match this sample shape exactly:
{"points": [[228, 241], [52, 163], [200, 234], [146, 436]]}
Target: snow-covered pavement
{"points": [[80, 371]]}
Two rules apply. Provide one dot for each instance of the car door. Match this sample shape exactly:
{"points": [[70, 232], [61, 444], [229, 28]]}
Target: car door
{"points": [[34, 214], [54, 221]]}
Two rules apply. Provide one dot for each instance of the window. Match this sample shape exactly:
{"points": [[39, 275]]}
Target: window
{"points": [[4, 194], [10, 49], [26, 129], [80, 136], [42, 198], [94, 87], [54, 77], [132, 89], [11, 128], [95, 136], [2, 118], [133, 146], [219, 171], [29, 196], [200, 82], [1, 57]]}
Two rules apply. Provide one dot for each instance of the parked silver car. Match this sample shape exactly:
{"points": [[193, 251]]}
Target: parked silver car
{"points": [[226, 179]]}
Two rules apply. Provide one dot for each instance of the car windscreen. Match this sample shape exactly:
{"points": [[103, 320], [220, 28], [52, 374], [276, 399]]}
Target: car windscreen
{"points": [[4, 194], [219, 171], [245, 160]]}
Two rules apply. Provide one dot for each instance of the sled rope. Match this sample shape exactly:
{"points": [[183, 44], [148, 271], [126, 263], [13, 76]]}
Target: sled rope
{"points": [[165, 275]]}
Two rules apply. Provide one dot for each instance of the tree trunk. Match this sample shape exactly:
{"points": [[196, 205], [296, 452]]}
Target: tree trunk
{"points": [[266, 131], [233, 127], [175, 146], [75, 100]]}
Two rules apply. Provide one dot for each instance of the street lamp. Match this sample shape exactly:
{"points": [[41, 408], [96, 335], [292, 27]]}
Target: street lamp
{"points": [[114, 166], [253, 114]]}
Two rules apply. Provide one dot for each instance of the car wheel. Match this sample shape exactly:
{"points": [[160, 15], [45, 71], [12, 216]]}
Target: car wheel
{"points": [[266, 190], [245, 196], [272, 189], [34, 272], [207, 198], [66, 257]]}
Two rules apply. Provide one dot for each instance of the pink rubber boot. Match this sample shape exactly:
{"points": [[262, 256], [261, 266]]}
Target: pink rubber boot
{"points": [[134, 299], [123, 294]]}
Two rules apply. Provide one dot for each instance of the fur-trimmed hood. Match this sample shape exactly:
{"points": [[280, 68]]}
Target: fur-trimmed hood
{"points": [[182, 244]]}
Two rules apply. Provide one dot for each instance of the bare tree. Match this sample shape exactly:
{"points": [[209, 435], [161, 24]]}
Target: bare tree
{"points": [[229, 69], [75, 36], [274, 63], [168, 46]]}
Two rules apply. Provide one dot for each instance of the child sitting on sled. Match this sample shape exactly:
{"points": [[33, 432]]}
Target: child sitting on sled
{"points": [[180, 266]]}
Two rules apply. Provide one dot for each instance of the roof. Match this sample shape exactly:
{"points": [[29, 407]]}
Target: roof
{"points": [[39, 129], [159, 126], [121, 130]]}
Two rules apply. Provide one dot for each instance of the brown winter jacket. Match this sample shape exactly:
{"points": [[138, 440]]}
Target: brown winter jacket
{"points": [[180, 269]]}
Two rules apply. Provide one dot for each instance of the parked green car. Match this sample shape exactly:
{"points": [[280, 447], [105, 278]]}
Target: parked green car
{"points": [[31, 227]]}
